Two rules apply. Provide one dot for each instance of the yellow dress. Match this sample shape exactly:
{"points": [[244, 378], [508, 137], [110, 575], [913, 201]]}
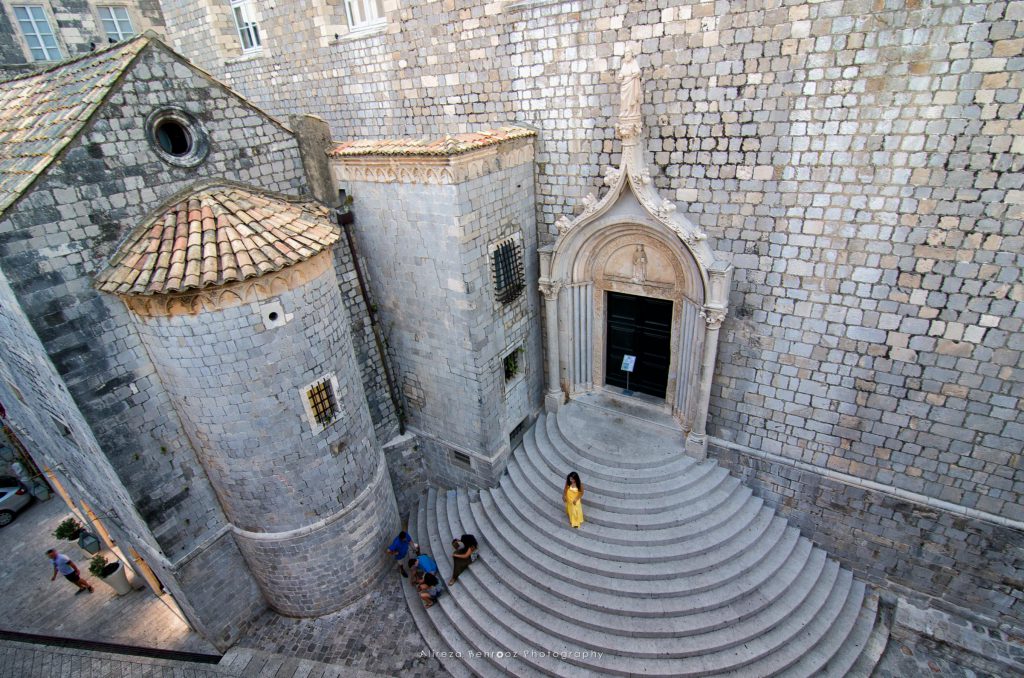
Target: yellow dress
{"points": [[573, 506]]}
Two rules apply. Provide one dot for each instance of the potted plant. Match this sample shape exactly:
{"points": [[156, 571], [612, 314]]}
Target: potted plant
{"points": [[68, 529], [112, 574]]}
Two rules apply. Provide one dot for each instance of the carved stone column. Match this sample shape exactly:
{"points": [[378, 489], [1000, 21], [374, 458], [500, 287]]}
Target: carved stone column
{"points": [[719, 278], [553, 395]]}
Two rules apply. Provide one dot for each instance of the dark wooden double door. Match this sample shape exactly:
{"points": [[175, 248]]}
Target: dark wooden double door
{"points": [[641, 327]]}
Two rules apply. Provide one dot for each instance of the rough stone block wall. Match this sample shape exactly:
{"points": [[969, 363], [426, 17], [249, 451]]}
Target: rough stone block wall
{"points": [[223, 598], [239, 386], [369, 359], [76, 25], [48, 422], [55, 239], [319, 571], [860, 158], [428, 253], [899, 545]]}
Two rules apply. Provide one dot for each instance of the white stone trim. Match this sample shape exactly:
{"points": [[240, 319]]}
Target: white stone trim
{"points": [[847, 479], [332, 379]]}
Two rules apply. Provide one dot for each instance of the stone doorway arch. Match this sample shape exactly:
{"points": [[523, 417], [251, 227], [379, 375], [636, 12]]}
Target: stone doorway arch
{"points": [[631, 241]]}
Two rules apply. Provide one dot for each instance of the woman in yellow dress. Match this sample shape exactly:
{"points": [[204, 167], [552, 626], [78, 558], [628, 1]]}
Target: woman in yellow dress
{"points": [[572, 495]]}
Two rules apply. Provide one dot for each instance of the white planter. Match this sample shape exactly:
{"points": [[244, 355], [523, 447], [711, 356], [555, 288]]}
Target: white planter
{"points": [[117, 579]]}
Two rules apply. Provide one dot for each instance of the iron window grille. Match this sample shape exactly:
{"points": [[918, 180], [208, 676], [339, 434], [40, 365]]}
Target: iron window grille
{"points": [[509, 279], [322, 402]]}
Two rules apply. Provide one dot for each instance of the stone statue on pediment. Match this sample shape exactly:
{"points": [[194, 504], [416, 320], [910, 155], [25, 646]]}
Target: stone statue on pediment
{"points": [[629, 87]]}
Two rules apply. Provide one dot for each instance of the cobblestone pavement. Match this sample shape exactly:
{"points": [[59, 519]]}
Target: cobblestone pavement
{"points": [[376, 634], [31, 603], [24, 660], [909, 658]]}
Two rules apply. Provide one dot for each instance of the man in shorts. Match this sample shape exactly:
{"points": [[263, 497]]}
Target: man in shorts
{"points": [[399, 549], [65, 566]]}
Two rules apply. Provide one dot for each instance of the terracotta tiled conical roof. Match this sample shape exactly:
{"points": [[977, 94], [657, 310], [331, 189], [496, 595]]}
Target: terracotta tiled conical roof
{"points": [[214, 235]]}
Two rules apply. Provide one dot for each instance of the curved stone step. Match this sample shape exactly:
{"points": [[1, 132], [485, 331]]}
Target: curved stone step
{"points": [[647, 617], [677, 573], [836, 653], [537, 632], [745, 594], [562, 454], [690, 556], [581, 443], [537, 450], [449, 646], [700, 520], [707, 476]]}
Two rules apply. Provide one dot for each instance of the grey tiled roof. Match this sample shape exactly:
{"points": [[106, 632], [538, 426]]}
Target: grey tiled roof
{"points": [[42, 112]]}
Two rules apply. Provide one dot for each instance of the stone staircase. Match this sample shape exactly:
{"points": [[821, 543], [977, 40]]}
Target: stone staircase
{"points": [[678, 570]]}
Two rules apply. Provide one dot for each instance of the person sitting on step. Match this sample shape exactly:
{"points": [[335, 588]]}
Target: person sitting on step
{"points": [[462, 554], [419, 566], [430, 589]]}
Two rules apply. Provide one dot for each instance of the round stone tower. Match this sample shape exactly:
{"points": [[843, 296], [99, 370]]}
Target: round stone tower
{"points": [[235, 296]]}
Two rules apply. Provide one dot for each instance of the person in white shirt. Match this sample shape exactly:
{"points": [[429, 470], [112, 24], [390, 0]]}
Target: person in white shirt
{"points": [[65, 566]]}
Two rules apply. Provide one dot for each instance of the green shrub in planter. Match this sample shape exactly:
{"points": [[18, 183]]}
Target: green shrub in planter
{"points": [[68, 529], [96, 565]]}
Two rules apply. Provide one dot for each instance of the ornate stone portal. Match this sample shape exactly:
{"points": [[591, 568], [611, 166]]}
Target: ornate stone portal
{"points": [[632, 241]]}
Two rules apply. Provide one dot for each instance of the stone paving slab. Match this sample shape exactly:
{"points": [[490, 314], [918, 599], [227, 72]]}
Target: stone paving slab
{"points": [[25, 660], [31, 603], [377, 634]]}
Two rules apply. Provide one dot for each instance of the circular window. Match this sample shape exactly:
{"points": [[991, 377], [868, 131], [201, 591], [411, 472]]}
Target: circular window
{"points": [[177, 137]]}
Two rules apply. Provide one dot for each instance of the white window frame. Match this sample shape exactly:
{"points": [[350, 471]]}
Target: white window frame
{"points": [[116, 16], [363, 15], [332, 382], [247, 26], [37, 17]]}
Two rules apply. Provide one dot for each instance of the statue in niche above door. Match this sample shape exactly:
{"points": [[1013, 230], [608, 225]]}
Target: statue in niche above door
{"points": [[639, 265]]}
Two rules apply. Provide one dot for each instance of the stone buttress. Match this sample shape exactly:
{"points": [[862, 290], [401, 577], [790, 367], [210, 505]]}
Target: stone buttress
{"points": [[237, 301]]}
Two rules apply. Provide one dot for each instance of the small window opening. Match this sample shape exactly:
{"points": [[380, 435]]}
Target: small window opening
{"points": [[511, 364], [461, 459], [322, 402], [173, 138], [509, 279]]}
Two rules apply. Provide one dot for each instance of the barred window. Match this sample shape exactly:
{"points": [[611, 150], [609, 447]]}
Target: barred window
{"points": [[509, 279], [322, 404]]}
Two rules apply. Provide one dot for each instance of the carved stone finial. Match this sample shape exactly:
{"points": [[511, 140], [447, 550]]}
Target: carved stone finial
{"points": [[642, 177], [589, 202], [564, 224], [611, 175]]}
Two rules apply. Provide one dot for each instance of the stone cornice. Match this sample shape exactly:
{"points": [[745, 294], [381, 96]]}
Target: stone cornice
{"points": [[433, 169], [235, 294]]}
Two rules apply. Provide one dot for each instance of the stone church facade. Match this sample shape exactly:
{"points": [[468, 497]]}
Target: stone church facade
{"points": [[861, 163], [858, 164]]}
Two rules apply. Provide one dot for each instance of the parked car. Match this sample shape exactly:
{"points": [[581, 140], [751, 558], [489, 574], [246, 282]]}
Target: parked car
{"points": [[14, 496]]}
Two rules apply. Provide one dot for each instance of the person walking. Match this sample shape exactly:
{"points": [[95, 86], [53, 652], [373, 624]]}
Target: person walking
{"points": [[399, 549], [572, 495], [65, 566]]}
